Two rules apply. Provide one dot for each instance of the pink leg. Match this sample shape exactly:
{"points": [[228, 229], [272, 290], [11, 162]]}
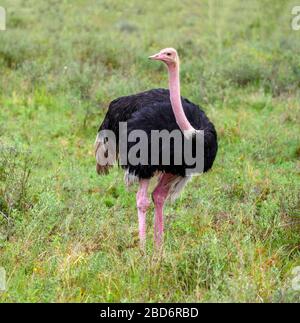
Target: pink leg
{"points": [[142, 203], [159, 196]]}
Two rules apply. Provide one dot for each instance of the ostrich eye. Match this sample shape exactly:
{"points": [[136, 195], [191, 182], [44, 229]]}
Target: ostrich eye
{"points": [[168, 54]]}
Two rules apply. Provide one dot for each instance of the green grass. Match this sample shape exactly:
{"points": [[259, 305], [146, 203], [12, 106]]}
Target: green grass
{"points": [[67, 234]]}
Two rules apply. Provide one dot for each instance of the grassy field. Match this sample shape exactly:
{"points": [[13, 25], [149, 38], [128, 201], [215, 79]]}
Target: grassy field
{"points": [[67, 234]]}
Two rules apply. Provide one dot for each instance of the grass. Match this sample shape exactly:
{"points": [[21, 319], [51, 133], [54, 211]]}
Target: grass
{"points": [[67, 234]]}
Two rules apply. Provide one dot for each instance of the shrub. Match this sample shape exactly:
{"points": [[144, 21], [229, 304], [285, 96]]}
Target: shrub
{"points": [[15, 170]]}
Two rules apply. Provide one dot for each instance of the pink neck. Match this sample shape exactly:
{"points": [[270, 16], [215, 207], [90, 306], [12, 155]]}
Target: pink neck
{"points": [[174, 87]]}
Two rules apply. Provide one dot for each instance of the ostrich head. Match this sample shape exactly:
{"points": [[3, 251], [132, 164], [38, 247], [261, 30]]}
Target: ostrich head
{"points": [[168, 55]]}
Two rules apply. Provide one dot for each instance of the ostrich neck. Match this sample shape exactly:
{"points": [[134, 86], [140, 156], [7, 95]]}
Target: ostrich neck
{"points": [[175, 97]]}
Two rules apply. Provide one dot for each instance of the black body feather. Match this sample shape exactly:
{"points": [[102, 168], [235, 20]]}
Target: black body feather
{"points": [[152, 110]]}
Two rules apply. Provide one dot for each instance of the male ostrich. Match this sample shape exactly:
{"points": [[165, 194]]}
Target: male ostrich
{"points": [[156, 109]]}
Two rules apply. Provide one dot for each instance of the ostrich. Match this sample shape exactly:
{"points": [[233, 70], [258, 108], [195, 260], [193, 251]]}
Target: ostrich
{"points": [[156, 109]]}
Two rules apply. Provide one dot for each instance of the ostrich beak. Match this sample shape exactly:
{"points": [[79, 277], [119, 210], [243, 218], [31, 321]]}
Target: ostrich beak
{"points": [[154, 57]]}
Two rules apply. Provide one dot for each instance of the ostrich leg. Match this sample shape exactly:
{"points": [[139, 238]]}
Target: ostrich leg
{"points": [[142, 203], [159, 196]]}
